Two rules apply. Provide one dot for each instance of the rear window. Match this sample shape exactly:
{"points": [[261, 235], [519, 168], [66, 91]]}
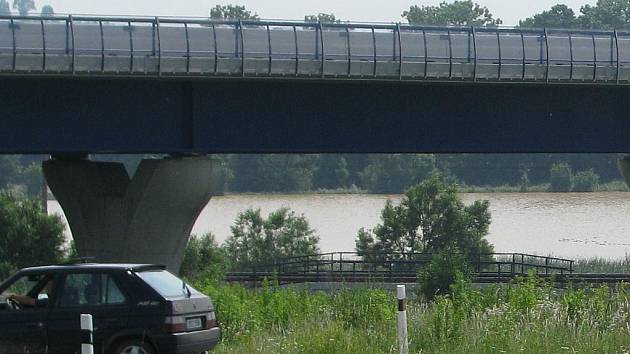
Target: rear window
{"points": [[166, 283]]}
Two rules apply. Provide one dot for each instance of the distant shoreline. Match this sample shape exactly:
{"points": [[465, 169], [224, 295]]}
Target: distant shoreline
{"points": [[613, 186]]}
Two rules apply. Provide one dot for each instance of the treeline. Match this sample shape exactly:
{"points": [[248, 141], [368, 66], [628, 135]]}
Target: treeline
{"points": [[394, 173], [373, 173]]}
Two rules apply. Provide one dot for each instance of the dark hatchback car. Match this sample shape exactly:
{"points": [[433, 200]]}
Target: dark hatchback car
{"points": [[135, 309]]}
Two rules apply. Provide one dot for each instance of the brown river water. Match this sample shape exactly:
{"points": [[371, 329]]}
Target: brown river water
{"points": [[574, 225]]}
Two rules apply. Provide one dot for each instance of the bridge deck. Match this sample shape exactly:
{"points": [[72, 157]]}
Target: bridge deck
{"points": [[112, 46]]}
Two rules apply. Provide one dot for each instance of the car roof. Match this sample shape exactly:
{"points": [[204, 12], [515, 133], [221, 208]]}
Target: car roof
{"points": [[92, 266]]}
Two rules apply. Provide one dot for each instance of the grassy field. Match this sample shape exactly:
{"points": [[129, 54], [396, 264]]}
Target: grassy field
{"points": [[524, 317]]}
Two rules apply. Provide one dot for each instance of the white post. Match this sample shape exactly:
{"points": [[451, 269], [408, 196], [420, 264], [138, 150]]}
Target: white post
{"points": [[403, 346], [86, 334]]}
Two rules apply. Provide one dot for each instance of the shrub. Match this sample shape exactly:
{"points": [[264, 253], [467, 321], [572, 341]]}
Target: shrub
{"points": [[204, 259], [561, 178], [447, 267], [585, 181], [28, 236]]}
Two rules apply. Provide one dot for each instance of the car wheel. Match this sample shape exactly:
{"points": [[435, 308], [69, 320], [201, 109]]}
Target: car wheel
{"points": [[135, 346]]}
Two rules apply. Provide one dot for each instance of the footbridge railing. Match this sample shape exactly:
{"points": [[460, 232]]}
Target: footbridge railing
{"points": [[395, 267], [200, 47]]}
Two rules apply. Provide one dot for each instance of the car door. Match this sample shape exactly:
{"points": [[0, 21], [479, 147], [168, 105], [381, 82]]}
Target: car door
{"points": [[95, 293], [24, 330]]}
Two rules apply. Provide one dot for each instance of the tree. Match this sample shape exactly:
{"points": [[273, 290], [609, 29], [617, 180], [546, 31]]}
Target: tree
{"points": [[232, 12], [29, 236], [561, 178], [33, 179], [5, 9], [393, 173], [585, 181], [24, 6], [559, 16], [430, 217], [204, 259], [331, 172], [10, 170], [48, 10], [255, 240], [321, 17], [458, 13], [606, 14], [271, 173]]}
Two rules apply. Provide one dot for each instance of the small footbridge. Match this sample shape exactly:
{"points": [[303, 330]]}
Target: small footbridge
{"points": [[352, 267]]}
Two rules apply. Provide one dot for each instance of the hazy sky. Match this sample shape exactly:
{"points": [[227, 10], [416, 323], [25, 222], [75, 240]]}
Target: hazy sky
{"points": [[354, 10]]}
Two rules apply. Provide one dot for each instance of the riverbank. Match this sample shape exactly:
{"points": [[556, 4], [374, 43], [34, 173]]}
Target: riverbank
{"points": [[612, 186]]}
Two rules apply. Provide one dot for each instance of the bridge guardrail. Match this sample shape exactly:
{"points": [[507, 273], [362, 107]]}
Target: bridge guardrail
{"points": [[164, 46], [352, 266]]}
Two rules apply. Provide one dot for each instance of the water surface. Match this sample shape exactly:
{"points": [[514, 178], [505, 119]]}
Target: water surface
{"points": [[571, 225]]}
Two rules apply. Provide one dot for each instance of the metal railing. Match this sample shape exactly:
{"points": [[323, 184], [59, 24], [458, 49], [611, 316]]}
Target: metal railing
{"points": [[352, 266], [161, 46]]}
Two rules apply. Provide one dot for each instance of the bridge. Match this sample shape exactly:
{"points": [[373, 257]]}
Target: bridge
{"points": [[202, 48], [392, 267], [352, 267], [75, 85]]}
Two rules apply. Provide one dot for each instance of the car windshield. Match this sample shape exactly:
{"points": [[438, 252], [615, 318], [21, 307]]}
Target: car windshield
{"points": [[166, 283]]}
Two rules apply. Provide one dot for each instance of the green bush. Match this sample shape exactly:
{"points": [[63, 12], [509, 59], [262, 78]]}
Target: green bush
{"points": [[256, 240], [447, 267], [585, 181], [28, 236], [204, 259], [561, 178]]}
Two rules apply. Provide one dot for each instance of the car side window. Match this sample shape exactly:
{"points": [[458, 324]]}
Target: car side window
{"points": [[90, 289]]}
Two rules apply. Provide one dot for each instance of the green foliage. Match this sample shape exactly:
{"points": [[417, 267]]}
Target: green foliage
{"points": [[332, 172], [33, 179], [561, 178], [457, 13], [255, 240], [606, 14], [10, 170], [23, 6], [232, 12], [242, 312], [525, 316], [204, 259], [559, 16], [447, 267], [429, 218], [271, 173], [29, 236], [602, 265], [263, 173], [396, 172], [48, 10], [321, 17], [585, 181]]}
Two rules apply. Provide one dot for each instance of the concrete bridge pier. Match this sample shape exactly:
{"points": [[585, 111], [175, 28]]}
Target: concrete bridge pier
{"points": [[144, 219], [624, 167]]}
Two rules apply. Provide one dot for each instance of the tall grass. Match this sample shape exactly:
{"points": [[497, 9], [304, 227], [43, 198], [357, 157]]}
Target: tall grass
{"points": [[602, 265], [528, 316]]}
